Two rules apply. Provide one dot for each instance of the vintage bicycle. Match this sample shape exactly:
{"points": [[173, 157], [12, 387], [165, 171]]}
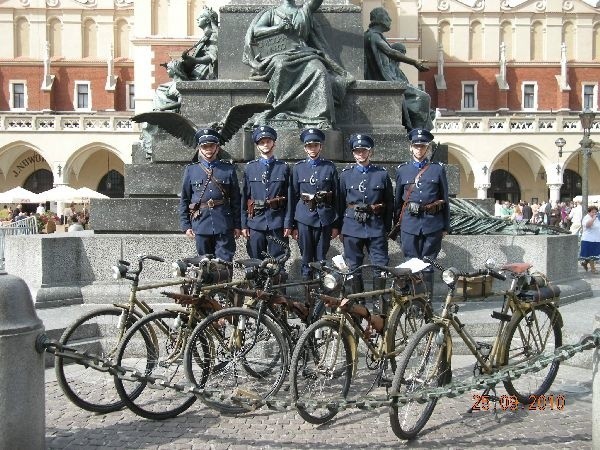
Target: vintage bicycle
{"points": [[529, 324], [154, 346], [326, 356], [250, 346], [99, 332]]}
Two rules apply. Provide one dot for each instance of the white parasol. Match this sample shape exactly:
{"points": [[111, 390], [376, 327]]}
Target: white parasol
{"points": [[18, 195]]}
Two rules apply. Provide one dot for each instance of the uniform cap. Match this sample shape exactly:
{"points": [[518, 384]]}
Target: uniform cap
{"points": [[361, 141], [263, 132], [204, 135], [312, 135], [420, 136]]}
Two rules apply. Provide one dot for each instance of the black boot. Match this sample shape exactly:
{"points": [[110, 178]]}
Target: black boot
{"points": [[379, 284]]}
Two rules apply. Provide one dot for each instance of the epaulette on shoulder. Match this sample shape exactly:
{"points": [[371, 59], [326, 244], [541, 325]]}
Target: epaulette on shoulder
{"points": [[298, 162], [251, 161], [348, 167], [402, 164]]}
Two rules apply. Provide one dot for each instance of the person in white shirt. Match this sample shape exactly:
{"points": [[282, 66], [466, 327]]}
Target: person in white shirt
{"points": [[576, 217], [40, 209], [75, 225]]}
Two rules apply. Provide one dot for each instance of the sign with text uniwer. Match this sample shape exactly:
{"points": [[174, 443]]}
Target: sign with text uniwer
{"points": [[267, 46]]}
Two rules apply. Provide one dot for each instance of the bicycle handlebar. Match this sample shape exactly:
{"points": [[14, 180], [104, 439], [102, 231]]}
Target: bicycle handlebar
{"points": [[477, 273], [395, 271]]}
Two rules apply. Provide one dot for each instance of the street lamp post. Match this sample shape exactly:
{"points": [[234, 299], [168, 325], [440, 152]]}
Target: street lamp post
{"points": [[586, 144], [586, 148]]}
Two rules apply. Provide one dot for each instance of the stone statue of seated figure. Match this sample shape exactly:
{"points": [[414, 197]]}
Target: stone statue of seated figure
{"points": [[200, 61], [382, 63], [285, 46]]}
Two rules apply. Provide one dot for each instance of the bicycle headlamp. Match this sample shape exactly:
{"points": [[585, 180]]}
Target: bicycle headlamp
{"points": [[178, 269], [119, 271], [449, 276], [331, 281]]}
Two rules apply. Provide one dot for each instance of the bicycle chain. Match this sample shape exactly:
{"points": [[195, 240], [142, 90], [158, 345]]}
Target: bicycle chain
{"points": [[365, 403]]}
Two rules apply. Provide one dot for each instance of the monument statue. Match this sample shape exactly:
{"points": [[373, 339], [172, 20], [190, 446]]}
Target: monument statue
{"points": [[382, 62], [200, 61], [285, 46], [166, 96]]}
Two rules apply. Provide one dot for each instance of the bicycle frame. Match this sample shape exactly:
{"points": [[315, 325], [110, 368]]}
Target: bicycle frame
{"points": [[511, 307]]}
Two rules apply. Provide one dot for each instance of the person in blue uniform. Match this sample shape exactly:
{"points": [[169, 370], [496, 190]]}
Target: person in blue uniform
{"points": [[421, 202], [209, 209], [266, 198], [367, 197], [315, 190]]}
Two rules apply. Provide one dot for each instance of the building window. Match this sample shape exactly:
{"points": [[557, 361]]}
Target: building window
{"points": [[590, 96], [469, 95], [18, 95], [83, 99], [529, 91], [130, 96]]}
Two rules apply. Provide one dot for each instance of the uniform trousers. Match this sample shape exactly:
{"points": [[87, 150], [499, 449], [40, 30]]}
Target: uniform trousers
{"points": [[420, 245], [314, 244], [220, 245], [377, 248]]}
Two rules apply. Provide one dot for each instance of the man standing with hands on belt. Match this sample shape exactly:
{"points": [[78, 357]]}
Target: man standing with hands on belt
{"points": [[209, 209], [421, 202], [266, 198], [366, 201], [315, 185]]}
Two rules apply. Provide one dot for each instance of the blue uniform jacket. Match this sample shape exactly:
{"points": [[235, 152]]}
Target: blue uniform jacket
{"points": [[220, 219], [262, 182], [432, 186], [309, 179], [371, 187]]}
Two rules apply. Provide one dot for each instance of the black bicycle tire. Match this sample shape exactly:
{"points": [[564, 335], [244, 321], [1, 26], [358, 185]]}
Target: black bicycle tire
{"points": [[428, 332], [511, 328], [62, 378], [213, 319], [300, 352], [130, 400]]}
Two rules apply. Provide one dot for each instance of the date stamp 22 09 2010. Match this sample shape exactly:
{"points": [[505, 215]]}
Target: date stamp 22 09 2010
{"points": [[544, 402]]}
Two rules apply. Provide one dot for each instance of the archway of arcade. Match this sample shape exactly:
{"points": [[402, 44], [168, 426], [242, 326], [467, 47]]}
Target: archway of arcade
{"points": [[95, 166]]}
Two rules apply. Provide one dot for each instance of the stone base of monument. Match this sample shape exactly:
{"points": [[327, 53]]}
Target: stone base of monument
{"points": [[62, 269]]}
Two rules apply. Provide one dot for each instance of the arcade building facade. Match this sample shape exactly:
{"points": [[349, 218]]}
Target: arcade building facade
{"points": [[507, 79]]}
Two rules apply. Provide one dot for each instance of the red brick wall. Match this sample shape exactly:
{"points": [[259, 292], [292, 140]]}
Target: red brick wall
{"points": [[549, 94], [64, 85], [164, 54]]}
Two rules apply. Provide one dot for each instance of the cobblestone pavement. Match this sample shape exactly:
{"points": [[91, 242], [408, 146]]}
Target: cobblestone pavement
{"points": [[450, 426]]}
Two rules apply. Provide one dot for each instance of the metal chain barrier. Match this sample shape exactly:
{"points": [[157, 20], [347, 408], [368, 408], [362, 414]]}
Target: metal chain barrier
{"points": [[451, 390]]}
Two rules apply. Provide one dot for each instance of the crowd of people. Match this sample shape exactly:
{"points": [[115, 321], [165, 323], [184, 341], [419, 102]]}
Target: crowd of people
{"points": [[74, 217], [565, 215]]}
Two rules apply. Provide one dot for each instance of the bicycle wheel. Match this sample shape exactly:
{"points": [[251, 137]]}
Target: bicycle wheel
{"points": [[154, 346], [404, 321], [422, 365], [321, 369], [248, 357], [99, 333], [526, 337]]}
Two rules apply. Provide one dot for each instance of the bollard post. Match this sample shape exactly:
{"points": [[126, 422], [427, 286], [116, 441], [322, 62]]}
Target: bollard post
{"points": [[596, 392], [22, 398]]}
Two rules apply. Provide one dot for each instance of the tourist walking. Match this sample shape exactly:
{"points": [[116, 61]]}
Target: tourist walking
{"points": [[590, 240]]}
